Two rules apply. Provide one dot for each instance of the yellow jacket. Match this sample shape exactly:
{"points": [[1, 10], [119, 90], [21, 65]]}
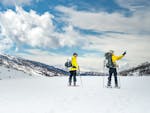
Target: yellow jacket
{"points": [[115, 58], [74, 64]]}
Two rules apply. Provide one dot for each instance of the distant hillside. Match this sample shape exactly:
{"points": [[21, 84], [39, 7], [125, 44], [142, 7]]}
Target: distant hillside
{"points": [[30, 67], [143, 69], [92, 74], [33, 67]]}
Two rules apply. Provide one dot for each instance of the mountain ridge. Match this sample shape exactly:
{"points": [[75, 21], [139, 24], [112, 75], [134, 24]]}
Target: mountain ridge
{"points": [[142, 69], [34, 67], [29, 66]]}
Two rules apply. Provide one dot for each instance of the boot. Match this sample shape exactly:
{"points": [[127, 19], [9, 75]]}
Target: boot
{"points": [[74, 84], [108, 84], [69, 83], [116, 86]]}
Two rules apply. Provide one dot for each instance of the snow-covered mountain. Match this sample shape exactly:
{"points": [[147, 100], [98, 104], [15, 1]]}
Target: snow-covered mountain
{"points": [[93, 74], [142, 69], [33, 67], [30, 67], [8, 73]]}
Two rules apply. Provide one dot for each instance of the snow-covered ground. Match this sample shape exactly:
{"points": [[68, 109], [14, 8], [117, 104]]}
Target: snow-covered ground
{"points": [[8, 73], [52, 95]]}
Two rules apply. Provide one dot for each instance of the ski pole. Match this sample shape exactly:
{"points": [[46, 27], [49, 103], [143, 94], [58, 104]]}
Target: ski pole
{"points": [[119, 78], [104, 74], [103, 80], [80, 78], [119, 81]]}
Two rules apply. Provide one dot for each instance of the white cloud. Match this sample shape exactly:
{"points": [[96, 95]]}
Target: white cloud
{"points": [[70, 37], [5, 44], [44, 56], [36, 30], [28, 28], [91, 62], [103, 21], [16, 2], [137, 46], [134, 5]]}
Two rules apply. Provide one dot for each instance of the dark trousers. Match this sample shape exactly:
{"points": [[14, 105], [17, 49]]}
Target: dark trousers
{"points": [[112, 71], [72, 74]]}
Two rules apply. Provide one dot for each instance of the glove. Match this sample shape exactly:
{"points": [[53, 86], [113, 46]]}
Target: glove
{"points": [[124, 53], [74, 66]]}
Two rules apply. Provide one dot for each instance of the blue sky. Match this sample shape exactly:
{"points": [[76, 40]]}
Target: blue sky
{"points": [[50, 31]]}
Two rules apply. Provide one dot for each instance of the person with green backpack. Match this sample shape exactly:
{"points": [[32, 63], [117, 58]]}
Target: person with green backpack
{"points": [[112, 65]]}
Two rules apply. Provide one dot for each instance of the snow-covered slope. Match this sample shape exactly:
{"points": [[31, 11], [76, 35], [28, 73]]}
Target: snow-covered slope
{"points": [[30, 67], [93, 74], [52, 95], [140, 70], [9, 73]]}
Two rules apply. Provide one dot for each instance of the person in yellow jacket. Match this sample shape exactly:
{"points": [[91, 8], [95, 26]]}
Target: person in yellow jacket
{"points": [[73, 69], [112, 68]]}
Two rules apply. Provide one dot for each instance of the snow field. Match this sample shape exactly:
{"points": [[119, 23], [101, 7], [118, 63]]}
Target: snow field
{"points": [[52, 95]]}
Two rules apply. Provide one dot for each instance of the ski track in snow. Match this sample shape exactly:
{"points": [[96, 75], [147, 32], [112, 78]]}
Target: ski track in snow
{"points": [[52, 95]]}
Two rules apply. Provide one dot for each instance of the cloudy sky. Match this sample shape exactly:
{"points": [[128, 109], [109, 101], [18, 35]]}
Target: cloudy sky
{"points": [[50, 31]]}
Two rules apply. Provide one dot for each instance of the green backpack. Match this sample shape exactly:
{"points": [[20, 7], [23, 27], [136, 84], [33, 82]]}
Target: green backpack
{"points": [[108, 57]]}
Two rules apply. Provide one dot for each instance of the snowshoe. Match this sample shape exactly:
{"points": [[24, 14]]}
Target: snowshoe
{"points": [[117, 87], [108, 86]]}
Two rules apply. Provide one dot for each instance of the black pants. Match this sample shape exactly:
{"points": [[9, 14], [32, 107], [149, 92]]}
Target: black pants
{"points": [[114, 72], [72, 74]]}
